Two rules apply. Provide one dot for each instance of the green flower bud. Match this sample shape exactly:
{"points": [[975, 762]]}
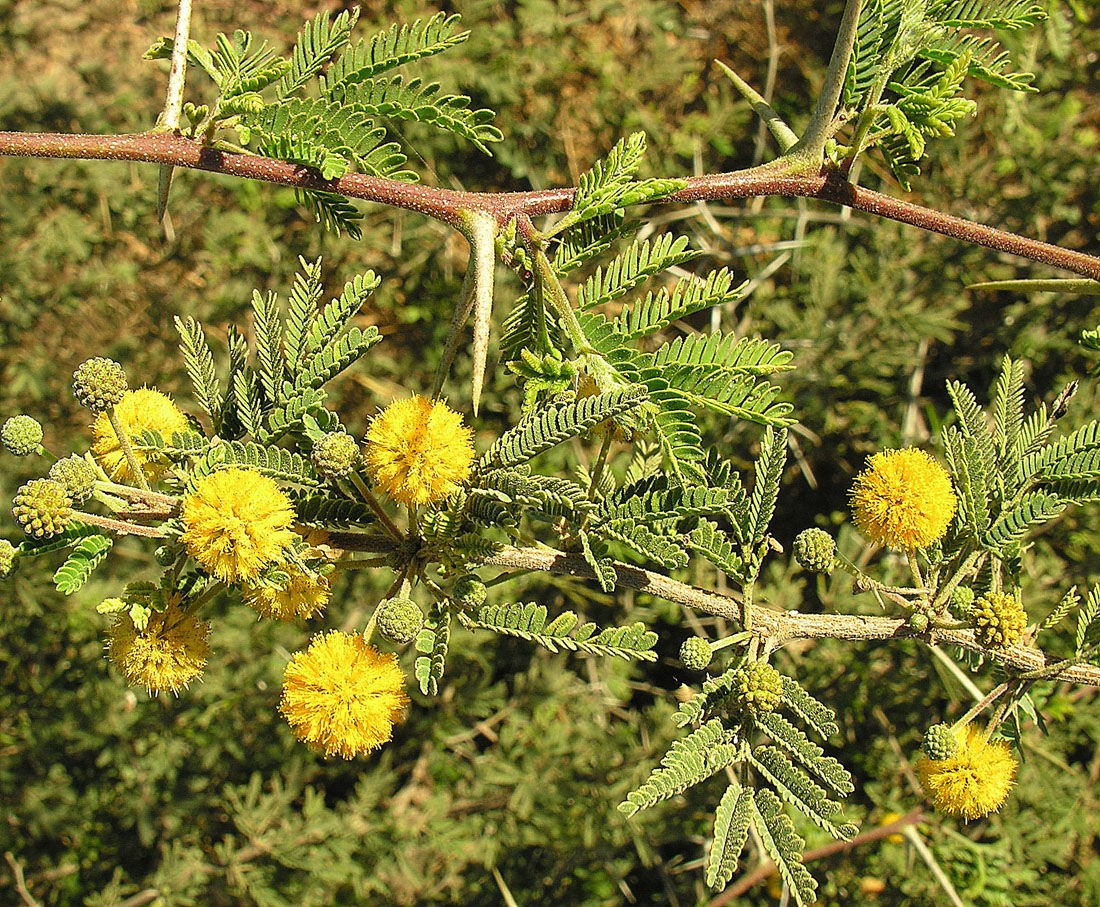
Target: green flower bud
{"points": [[21, 435], [815, 549], [999, 620], [962, 598], [76, 475], [469, 592], [7, 557], [167, 555], [759, 687], [42, 508], [399, 619], [99, 384], [695, 653], [940, 742], [918, 621], [335, 454]]}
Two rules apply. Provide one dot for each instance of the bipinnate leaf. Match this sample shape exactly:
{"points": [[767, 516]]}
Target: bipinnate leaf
{"points": [[689, 760], [87, 554], [731, 829], [783, 844]]}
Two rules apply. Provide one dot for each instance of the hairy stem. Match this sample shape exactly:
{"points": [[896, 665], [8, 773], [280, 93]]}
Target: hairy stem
{"points": [[781, 626]]}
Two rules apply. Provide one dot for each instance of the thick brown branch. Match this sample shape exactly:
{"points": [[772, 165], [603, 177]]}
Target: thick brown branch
{"points": [[447, 205], [787, 625]]}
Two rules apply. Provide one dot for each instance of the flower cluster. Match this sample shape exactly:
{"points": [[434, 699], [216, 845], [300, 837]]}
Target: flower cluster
{"points": [[303, 597], [973, 782], [418, 451], [903, 498], [237, 522], [343, 697], [166, 655]]}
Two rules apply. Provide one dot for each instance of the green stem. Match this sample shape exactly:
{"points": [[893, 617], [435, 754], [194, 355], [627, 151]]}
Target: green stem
{"points": [[601, 462], [127, 449], [964, 569], [735, 640], [372, 502], [118, 527], [810, 149], [992, 696], [782, 133], [914, 567], [203, 597], [555, 294], [363, 563]]}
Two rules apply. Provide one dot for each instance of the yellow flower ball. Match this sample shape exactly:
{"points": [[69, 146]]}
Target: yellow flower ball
{"points": [[975, 781], [237, 522], [137, 411], [343, 697], [418, 451], [305, 596], [903, 498], [167, 655]]}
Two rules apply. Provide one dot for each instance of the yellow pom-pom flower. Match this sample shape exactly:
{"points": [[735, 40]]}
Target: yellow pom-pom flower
{"points": [[167, 655], [342, 696], [972, 783], [418, 451], [236, 523], [137, 411], [305, 596], [903, 498]]}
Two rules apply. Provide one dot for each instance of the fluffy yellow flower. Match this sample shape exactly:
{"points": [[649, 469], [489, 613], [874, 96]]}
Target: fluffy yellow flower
{"points": [[236, 522], [167, 655], [342, 696], [418, 451], [137, 411], [975, 781], [903, 498], [305, 596]]}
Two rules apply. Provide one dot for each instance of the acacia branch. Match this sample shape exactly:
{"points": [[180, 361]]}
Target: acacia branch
{"points": [[453, 207], [781, 626]]}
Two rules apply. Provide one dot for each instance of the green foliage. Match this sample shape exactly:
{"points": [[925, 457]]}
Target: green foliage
{"points": [[690, 760], [527, 781], [565, 631], [610, 185], [433, 641], [555, 424], [87, 554], [731, 829], [904, 81], [348, 126]]}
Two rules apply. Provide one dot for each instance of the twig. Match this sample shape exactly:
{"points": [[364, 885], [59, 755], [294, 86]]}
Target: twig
{"points": [[782, 626], [764, 870], [20, 882], [811, 146], [449, 206]]}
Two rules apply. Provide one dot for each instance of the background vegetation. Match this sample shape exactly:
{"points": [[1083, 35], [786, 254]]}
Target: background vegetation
{"points": [[508, 781]]}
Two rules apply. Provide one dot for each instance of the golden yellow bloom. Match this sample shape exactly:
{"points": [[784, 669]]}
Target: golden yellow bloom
{"points": [[167, 655], [903, 498], [975, 781], [236, 522], [305, 596], [342, 696], [137, 411], [418, 451]]}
